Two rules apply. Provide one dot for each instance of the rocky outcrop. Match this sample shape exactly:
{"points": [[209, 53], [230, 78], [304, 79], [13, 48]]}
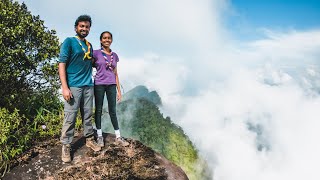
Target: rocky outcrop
{"points": [[135, 161]]}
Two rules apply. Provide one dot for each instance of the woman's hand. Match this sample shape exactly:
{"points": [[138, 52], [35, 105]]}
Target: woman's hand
{"points": [[119, 97]]}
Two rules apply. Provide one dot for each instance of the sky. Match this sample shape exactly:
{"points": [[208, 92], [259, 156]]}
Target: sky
{"points": [[279, 13], [240, 77], [249, 15]]}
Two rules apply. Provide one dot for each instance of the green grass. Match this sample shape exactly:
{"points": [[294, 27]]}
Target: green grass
{"points": [[18, 133]]}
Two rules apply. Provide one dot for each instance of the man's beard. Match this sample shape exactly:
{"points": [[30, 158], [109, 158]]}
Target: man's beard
{"points": [[82, 36]]}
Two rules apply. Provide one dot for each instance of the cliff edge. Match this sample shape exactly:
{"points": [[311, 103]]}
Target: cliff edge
{"points": [[135, 161]]}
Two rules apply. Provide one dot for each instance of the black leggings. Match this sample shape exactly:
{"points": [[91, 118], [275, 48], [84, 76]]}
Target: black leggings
{"points": [[111, 92]]}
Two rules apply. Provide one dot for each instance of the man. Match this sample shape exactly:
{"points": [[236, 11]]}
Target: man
{"points": [[75, 70]]}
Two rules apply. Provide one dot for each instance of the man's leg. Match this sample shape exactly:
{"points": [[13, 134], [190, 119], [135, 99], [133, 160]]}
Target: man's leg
{"points": [[70, 115], [86, 114]]}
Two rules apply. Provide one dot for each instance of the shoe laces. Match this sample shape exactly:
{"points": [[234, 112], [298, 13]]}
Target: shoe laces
{"points": [[121, 140], [100, 139], [66, 149]]}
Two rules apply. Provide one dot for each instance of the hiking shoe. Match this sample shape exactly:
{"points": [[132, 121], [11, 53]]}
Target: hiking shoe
{"points": [[100, 141], [66, 153], [91, 143], [121, 141]]}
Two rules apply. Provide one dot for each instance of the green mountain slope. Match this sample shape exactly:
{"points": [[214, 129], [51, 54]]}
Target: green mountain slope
{"points": [[140, 118], [142, 92]]}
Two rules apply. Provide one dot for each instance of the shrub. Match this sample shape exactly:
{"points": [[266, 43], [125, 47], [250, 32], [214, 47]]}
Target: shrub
{"points": [[15, 135]]}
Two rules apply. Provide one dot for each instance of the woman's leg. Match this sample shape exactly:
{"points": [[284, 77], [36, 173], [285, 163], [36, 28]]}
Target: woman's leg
{"points": [[111, 92], [99, 91], [112, 102]]}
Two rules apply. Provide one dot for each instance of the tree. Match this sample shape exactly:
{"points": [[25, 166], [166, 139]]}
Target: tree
{"points": [[28, 74]]}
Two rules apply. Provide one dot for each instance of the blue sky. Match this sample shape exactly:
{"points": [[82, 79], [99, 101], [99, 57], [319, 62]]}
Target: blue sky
{"points": [[279, 13], [248, 16]]}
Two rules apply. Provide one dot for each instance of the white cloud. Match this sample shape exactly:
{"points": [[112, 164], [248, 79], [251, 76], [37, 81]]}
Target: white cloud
{"points": [[162, 26], [290, 45], [218, 122], [232, 98], [253, 92]]}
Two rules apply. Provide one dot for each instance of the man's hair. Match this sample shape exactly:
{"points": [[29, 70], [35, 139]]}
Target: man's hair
{"points": [[81, 19]]}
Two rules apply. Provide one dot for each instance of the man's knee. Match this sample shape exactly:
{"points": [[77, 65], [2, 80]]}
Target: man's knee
{"points": [[70, 116]]}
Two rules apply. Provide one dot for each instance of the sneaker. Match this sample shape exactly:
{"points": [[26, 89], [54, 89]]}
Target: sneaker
{"points": [[66, 153], [91, 143], [121, 141], [100, 141]]}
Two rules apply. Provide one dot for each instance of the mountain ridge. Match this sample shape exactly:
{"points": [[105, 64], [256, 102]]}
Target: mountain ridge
{"points": [[140, 118], [135, 161]]}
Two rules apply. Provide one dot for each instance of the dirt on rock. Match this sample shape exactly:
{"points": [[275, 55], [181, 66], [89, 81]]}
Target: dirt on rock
{"points": [[135, 161]]}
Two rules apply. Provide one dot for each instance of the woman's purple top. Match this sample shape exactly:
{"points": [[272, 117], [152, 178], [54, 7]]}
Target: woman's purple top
{"points": [[104, 76]]}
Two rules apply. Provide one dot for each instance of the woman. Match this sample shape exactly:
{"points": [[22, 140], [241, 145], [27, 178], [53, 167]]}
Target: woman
{"points": [[106, 81]]}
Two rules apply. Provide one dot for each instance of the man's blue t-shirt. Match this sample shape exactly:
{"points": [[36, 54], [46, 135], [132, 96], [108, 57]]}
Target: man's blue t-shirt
{"points": [[78, 71]]}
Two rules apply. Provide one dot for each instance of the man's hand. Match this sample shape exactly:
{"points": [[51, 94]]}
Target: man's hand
{"points": [[66, 93]]}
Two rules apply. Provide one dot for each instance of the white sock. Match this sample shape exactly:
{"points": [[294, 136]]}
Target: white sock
{"points": [[117, 132], [99, 132]]}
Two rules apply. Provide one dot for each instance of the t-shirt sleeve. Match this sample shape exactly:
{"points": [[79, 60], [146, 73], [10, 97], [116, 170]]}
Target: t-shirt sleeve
{"points": [[91, 49], [65, 51], [94, 54], [95, 58], [116, 57]]}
